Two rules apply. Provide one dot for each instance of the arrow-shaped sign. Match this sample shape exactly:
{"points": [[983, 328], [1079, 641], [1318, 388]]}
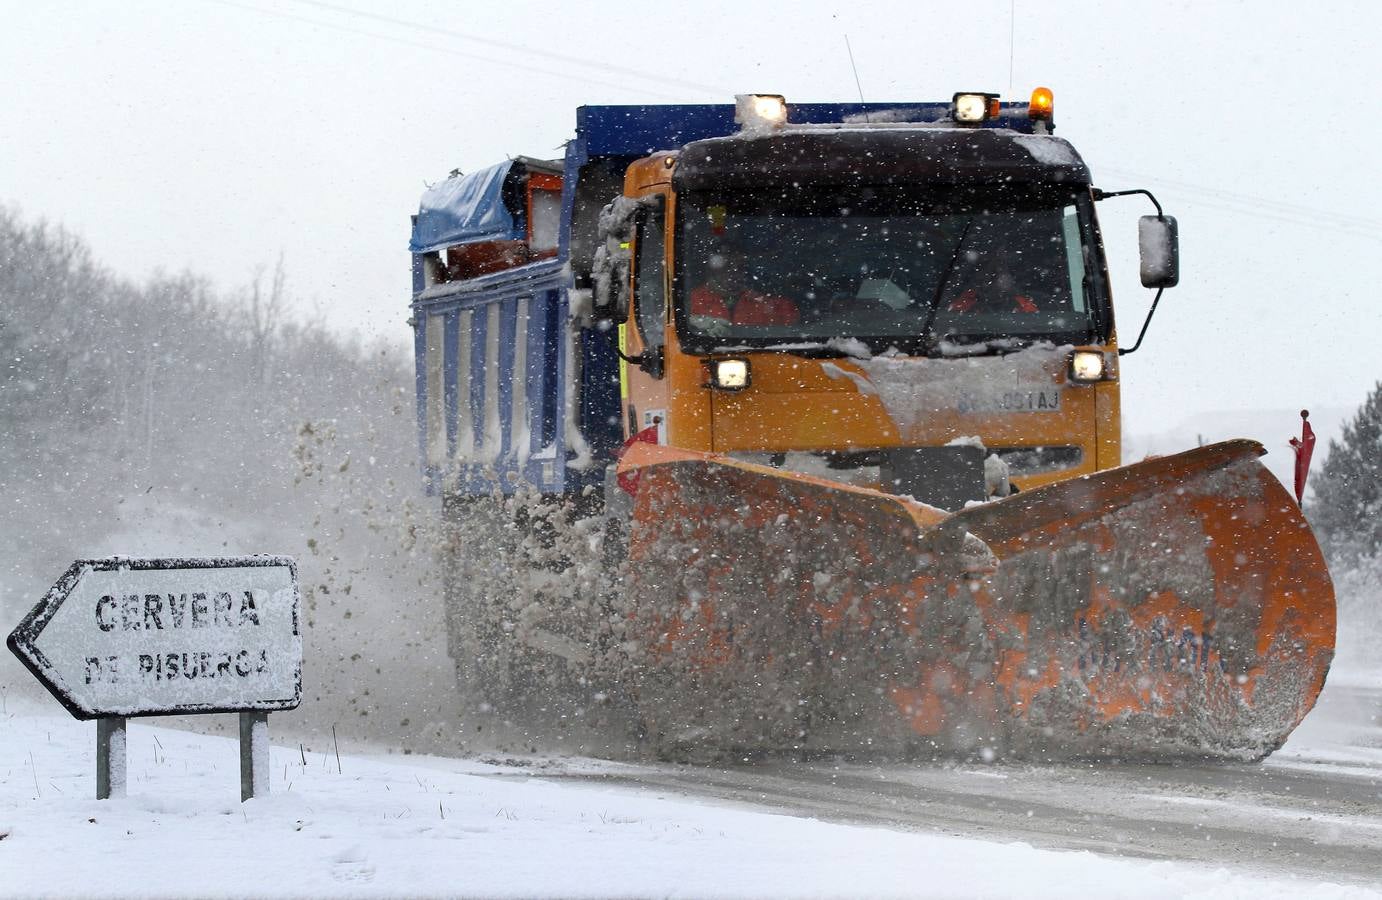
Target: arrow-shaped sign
{"points": [[142, 637]]}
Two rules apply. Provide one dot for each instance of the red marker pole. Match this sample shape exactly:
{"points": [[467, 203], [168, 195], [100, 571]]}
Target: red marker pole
{"points": [[1305, 448]]}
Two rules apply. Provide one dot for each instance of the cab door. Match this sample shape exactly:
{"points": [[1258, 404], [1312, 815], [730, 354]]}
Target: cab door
{"points": [[644, 385]]}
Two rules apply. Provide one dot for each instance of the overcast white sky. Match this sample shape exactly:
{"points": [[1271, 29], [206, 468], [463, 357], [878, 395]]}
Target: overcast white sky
{"points": [[212, 135]]}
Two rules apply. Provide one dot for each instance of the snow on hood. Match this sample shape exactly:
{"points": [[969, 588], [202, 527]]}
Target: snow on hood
{"points": [[913, 390]]}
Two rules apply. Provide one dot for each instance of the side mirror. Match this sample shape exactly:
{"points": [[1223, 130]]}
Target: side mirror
{"points": [[611, 290], [613, 261], [1158, 243]]}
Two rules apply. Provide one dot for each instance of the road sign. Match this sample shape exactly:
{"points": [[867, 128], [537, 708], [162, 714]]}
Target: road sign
{"points": [[141, 637]]}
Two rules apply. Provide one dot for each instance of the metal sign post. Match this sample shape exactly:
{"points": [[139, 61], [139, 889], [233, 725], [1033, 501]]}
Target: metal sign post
{"points": [[254, 755], [116, 638], [110, 757]]}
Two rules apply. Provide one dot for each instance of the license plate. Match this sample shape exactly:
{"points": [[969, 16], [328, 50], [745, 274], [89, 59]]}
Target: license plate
{"points": [[1011, 401]]}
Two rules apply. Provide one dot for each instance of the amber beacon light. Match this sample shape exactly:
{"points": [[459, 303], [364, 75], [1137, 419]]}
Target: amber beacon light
{"points": [[1043, 105]]}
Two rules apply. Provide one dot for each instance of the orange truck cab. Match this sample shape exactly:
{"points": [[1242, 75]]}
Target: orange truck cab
{"points": [[905, 305]]}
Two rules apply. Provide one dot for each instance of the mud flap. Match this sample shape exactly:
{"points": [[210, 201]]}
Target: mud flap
{"points": [[1178, 607]]}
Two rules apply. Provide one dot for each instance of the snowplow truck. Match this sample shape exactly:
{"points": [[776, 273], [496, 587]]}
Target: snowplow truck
{"points": [[795, 427]]}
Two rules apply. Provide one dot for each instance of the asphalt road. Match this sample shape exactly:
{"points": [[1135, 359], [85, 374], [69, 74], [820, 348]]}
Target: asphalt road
{"points": [[1314, 809]]}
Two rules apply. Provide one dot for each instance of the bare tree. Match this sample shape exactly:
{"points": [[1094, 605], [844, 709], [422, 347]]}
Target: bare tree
{"points": [[264, 310]]}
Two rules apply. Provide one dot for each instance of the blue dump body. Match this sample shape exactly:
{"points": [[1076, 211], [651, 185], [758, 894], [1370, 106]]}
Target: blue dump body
{"points": [[510, 390]]}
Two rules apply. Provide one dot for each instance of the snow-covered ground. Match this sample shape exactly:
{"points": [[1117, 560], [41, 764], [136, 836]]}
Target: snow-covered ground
{"points": [[426, 826], [412, 825]]}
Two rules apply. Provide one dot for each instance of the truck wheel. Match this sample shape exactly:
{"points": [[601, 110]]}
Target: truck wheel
{"points": [[481, 549], [521, 617]]}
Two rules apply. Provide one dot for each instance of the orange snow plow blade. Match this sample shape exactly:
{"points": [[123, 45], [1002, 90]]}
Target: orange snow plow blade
{"points": [[1178, 607]]}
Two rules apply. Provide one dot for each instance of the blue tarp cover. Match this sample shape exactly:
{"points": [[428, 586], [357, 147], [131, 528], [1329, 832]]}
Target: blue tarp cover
{"points": [[464, 209]]}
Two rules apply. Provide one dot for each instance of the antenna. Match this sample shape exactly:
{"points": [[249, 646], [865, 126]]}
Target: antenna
{"points": [[1012, 33], [855, 69]]}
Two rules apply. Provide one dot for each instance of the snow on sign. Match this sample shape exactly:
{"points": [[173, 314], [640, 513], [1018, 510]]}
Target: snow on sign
{"points": [[137, 637]]}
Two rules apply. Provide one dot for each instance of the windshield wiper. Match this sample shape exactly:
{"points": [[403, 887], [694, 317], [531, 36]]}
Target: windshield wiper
{"points": [[935, 306]]}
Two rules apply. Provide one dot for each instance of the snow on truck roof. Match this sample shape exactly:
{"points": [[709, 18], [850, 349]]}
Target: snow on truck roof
{"points": [[874, 154], [636, 131]]}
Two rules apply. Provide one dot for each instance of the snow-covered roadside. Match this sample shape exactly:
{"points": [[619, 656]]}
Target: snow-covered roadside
{"points": [[426, 826]]}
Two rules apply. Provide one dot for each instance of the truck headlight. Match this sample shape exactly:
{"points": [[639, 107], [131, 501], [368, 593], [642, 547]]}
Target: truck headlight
{"points": [[729, 374], [1087, 365]]}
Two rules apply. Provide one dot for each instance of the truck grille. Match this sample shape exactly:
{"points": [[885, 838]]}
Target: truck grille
{"points": [[1020, 460]]}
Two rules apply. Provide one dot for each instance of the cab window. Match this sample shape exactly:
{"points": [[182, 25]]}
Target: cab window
{"points": [[649, 269]]}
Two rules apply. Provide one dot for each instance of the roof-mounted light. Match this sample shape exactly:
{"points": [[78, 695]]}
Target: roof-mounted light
{"points": [[760, 113], [1043, 105], [973, 108]]}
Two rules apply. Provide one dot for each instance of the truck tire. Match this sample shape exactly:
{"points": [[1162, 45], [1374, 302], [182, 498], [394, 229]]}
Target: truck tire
{"points": [[521, 623], [480, 547]]}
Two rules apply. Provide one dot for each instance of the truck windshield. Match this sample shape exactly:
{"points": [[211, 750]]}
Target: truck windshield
{"points": [[924, 271]]}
